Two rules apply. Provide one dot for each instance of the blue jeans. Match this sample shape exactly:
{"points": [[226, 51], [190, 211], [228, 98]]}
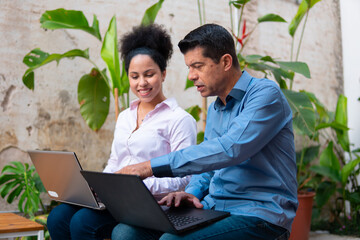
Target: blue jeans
{"points": [[73, 222], [233, 227]]}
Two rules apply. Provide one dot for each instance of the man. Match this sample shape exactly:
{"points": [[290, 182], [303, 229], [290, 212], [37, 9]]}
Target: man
{"points": [[246, 164]]}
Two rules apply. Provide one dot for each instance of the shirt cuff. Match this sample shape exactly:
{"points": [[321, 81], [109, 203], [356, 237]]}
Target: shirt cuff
{"points": [[194, 191], [161, 167]]}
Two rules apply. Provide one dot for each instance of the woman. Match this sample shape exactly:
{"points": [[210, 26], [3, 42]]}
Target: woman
{"points": [[152, 126]]}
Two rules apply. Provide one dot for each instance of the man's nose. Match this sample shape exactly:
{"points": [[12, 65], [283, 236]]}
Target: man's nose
{"points": [[192, 75]]}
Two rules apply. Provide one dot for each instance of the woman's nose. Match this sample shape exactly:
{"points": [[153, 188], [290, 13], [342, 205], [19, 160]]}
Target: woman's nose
{"points": [[143, 81]]}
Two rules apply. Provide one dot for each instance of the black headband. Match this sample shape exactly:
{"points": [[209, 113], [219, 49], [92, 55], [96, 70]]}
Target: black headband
{"points": [[155, 55]]}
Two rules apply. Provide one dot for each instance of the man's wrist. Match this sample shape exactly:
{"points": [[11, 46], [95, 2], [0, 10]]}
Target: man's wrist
{"points": [[161, 167]]}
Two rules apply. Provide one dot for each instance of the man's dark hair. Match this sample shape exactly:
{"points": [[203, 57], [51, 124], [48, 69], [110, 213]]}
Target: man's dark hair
{"points": [[152, 40], [215, 41]]}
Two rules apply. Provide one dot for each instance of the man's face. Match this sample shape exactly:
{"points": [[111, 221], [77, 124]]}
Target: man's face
{"points": [[208, 76]]}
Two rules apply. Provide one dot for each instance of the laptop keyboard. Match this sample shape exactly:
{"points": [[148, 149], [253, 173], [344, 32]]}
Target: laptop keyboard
{"points": [[179, 221]]}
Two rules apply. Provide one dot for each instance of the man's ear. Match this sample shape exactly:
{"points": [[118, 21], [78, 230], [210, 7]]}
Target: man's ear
{"points": [[226, 60]]}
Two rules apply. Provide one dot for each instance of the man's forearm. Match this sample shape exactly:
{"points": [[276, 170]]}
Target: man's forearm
{"points": [[141, 169]]}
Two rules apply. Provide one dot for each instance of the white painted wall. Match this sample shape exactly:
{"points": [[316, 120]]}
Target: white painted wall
{"points": [[350, 25]]}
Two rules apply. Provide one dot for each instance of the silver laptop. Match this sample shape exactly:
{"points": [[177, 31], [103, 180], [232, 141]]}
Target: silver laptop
{"points": [[129, 201], [61, 177]]}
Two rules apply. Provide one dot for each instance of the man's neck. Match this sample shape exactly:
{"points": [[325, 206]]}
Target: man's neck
{"points": [[232, 78]]}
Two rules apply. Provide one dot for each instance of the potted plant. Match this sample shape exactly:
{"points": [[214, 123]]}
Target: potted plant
{"points": [[339, 169], [20, 181]]}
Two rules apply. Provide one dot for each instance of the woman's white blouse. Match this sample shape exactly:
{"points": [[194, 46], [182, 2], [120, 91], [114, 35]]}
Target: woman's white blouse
{"points": [[165, 129]]}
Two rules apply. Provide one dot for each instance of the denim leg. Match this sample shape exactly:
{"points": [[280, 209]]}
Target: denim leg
{"points": [[234, 227], [58, 221], [127, 232], [91, 224]]}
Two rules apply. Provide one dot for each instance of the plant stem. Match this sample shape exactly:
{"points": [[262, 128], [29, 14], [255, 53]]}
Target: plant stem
{"points": [[292, 50], [123, 101], [239, 23], [248, 37], [302, 35], [240, 19], [203, 8], [302, 159], [100, 73], [231, 18], [199, 9], [291, 58]]}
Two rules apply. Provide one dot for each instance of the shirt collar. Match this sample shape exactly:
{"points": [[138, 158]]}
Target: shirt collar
{"points": [[238, 90], [169, 102]]}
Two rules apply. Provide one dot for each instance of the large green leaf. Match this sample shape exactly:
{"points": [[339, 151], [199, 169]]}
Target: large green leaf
{"points": [[310, 154], [320, 108], [194, 111], [327, 172], [124, 81], [341, 118], [93, 97], [200, 137], [303, 112], [323, 193], [69, 19], [8, 187], [354, 197], [37, 58], [333, 125], [20, 182], [311, 3], [348, 169], [271, 18], [110, 54], [14, 194], [189, 83], [151, 13], [328, 158], [303, 7], [238, 4], [299, 67]]}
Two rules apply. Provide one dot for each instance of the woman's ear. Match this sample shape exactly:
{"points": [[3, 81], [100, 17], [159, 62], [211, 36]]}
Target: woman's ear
{"points": [[227, 61], [163, 75]]}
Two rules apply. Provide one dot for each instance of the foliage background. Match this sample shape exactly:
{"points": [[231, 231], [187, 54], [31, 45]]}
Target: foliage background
{"points": [[49, 117]]}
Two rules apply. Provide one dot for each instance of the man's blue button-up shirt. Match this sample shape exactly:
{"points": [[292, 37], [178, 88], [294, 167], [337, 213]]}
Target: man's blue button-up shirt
{"points": [[246, 164]]}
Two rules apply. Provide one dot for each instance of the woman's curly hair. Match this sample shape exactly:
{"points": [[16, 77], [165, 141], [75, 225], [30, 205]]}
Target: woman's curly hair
{"points": [[152, 40]]}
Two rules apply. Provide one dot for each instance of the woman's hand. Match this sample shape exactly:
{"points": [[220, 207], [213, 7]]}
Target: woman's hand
{"points": [[143, 170], [178, 198]]}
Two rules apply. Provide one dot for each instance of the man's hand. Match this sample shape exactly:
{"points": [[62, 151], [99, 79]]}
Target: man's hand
{"points": [[141, 169], [177, 198]]}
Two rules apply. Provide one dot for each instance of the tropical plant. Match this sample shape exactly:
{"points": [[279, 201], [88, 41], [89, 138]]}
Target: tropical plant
{"points": [[94, 88], [304, 109], [20, 181], [307, 110], [339, 167]]}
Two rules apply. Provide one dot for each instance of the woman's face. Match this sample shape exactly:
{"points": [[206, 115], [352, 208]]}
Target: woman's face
{"points": [[146, 79]]}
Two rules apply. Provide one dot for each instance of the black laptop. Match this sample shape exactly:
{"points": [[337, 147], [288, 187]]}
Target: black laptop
{"points": [[130, 202]]}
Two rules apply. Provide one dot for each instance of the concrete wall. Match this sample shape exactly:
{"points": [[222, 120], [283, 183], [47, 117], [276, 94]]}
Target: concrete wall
{"points": [[49, 117]]}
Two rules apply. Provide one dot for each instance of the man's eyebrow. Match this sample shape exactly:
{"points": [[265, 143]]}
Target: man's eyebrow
{"points": [[195, 63]]}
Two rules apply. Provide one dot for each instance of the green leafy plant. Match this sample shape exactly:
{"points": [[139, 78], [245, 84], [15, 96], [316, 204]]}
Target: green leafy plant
{"points": [[303, 106], [20, 181], [95, 87], [308, 111], [339, 167]]}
